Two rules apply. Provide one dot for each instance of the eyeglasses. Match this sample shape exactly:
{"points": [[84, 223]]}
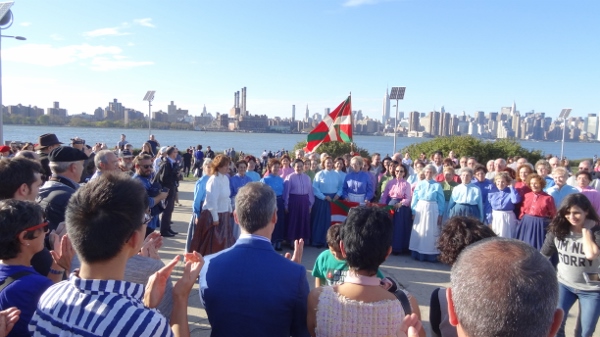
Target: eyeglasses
{"points": [[146, 166], [399, 171], [43, 225]]}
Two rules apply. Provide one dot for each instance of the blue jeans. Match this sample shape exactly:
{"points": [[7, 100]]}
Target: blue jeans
{"points": [[589, 304]]}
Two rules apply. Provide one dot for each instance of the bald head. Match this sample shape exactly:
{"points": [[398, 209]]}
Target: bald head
{"points": [[496, 285]]}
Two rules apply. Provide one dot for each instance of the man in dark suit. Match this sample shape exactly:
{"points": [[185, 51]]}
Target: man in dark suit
{"points": [[168, 177], [249, 289]]}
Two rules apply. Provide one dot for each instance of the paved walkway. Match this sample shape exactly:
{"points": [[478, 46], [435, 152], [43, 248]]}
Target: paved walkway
{"points": [[419, 278]]}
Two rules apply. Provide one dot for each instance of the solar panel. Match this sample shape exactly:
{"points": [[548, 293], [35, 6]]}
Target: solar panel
{"points": [[564, 113], [397, 93], [4, 7], [149, 96]]}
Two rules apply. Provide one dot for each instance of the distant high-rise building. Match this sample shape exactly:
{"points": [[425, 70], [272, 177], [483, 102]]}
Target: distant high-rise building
{"points": [[56, 111], [326, 111], [306, 115], [480, 117], [434, 123], [357, 115], [243, 108], [446, 120], [591, 124], [386, 107], [516, 122], [414, 121], [293, 112]]}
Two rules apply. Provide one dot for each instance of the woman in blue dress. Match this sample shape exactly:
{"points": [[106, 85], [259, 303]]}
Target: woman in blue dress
{"points": [[327, 186], [273, 180], [427, 207], [199, 196], [358, 185], [485, 186], [466, 198], [503, 199]]}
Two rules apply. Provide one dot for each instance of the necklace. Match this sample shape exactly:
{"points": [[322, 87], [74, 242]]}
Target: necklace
{"points": [[362, 279]]}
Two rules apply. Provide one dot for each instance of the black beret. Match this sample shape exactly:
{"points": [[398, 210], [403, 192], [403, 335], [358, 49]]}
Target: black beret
{"points": [[66, 154]]}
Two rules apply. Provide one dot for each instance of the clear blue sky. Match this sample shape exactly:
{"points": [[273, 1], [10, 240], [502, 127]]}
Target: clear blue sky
{"points": [[466, 55]]}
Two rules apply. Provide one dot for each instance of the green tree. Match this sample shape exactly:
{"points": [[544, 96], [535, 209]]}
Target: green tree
{"points": [[334, 149], [470, 146]]}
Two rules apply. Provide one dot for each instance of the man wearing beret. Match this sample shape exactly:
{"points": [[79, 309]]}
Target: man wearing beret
{"points": [[66, 165]]}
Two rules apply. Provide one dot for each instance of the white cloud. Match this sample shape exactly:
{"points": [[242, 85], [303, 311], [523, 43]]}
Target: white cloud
{"points": [[25, 24], [146, 22], [107, 64], [354, 3], [130, 44], [56, 37], [97, 58], [114, 31]]}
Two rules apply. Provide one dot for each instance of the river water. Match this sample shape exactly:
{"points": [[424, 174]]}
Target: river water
{"points": [[253, 143]]}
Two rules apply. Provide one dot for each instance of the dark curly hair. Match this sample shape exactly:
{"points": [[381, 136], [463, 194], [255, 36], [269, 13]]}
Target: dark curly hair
{"points": [[560, 226], [458, 233], [15, 217]]}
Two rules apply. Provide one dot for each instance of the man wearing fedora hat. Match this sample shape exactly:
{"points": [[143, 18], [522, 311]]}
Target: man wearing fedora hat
{"points": [[66, 164], [46, 143]]}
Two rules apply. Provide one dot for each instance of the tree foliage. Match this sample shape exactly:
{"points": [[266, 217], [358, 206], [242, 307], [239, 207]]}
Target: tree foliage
{"points": [[482, 150], [335, 149]]}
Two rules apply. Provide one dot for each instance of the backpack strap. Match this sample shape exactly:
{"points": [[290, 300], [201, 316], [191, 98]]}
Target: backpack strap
{"points": [[12, 278], [401, 296]]}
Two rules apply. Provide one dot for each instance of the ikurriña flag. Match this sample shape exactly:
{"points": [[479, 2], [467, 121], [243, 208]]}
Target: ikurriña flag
{"points": [[335, 127]]}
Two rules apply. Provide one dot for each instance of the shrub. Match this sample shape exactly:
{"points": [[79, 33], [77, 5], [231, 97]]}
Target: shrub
{"points": [[473, 147], [334, 149]]}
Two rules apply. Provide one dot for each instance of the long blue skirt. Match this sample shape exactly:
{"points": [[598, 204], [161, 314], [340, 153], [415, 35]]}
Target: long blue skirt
{"points": [[279, 232], [471, 211], [402, 228], [298, 218], [532, 229], [320, 220]]}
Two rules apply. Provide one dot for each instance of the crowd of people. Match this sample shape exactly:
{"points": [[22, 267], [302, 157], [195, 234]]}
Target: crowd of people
{"points": [[79, 217]]}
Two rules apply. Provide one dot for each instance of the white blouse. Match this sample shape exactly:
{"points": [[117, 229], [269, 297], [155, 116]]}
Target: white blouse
{"points": [[217, 196]]}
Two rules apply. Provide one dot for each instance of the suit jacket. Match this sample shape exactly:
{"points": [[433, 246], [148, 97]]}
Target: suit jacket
{"points": [[167, 174], [250, 290]]}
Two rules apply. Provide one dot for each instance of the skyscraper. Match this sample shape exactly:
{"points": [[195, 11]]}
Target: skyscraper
{"points": [[414, 121], [386, 108], [293, 112], [306, 116]]}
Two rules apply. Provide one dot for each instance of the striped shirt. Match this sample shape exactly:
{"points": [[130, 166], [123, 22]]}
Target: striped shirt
{"points": [[79, 307]]}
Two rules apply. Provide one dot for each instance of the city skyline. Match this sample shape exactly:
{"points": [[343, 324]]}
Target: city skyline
{"points": [[464, 55]]}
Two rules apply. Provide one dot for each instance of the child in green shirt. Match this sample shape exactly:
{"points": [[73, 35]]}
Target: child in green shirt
{"points": [[330, 267]]}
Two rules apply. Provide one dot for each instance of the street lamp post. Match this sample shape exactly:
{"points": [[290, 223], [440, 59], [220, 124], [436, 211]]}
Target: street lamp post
{"points": [[564, 114], [149, 97], [397, 94], [6, 20]]}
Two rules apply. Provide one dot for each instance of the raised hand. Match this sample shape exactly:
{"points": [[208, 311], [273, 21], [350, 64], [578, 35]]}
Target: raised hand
{"points": [[410, 326], [8, 318], [155, 288], [193, 264], [298, 251], [63, 252]]}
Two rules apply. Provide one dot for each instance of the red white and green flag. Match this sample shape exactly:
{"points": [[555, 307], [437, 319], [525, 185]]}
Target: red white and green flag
{"points": [[335, 127], [340, 209]]}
